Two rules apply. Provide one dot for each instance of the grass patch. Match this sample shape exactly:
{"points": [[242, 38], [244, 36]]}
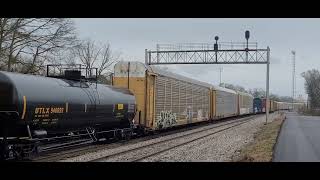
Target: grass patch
{"points": [[309, 112], [261, 149]]}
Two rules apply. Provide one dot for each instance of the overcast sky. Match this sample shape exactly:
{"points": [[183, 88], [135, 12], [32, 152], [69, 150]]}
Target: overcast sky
{"points": [[132, 36]]}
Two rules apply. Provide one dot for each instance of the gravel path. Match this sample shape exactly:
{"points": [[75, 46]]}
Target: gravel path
{"points": [[218, 147]]}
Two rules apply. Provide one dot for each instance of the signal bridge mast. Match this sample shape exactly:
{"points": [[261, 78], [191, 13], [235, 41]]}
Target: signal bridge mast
{"points": [[217, 53]]}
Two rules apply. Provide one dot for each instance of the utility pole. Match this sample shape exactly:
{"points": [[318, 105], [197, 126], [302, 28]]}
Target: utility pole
{"points": [[220, 69], [293, 75], [267, 85]]}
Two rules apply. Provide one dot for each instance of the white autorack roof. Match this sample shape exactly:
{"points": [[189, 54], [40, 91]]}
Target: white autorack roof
{"points": [[138, 69]]}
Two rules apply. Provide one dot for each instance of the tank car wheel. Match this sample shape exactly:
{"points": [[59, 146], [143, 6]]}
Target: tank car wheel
{"points": [[124, 135], [10, 154], [3, 154], [140, 131], [127, 136]]}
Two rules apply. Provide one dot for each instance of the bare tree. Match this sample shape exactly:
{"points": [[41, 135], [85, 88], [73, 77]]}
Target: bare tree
{"points": [[26, 44], [8, 33], [257, 92], [87, 53], [108, 58], [234, 87], [312, 87], [90, 54]]}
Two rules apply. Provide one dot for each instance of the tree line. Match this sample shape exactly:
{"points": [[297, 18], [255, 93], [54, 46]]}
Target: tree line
{"points": [[258, 92], [27, 45]]}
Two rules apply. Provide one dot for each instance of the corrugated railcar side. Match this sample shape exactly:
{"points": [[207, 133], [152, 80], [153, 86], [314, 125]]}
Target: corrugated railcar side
{"points": [[226, 102], [245, 103], [164, 99]]}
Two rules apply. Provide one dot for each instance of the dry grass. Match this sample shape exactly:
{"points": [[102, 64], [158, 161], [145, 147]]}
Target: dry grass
{"points": [[309, 112], [261, 149]]}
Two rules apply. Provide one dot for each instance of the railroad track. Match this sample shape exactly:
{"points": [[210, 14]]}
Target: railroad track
{"points": [[140, 153], [74, 150], [53, 153]]}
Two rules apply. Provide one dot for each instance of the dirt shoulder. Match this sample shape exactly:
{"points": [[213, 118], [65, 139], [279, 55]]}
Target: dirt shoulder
{"points": [[261, 149]]}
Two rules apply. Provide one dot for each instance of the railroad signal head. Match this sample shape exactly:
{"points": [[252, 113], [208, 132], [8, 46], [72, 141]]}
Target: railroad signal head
{"points": [[215, 47], [247, 35]]}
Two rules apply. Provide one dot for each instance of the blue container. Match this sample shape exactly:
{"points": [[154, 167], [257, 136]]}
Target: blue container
{"points": [[257, 105]]}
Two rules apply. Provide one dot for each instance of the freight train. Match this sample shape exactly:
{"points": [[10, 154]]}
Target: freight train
{"points": [[259, 105], [165, 99], [36, 110]]}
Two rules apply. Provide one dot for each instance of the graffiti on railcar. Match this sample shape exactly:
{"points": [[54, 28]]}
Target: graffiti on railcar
{"points": [[200, 115], [166, 119], [188, 113]]}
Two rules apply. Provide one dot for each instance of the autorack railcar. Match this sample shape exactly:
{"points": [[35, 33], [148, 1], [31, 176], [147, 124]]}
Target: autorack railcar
{"points": [[270, 103], [164, 99], [283, 106], [225, 103], [245, 103]]}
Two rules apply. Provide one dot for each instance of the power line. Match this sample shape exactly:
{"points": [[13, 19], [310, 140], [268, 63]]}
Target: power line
{"points": [[293, 75], [220, 70]]}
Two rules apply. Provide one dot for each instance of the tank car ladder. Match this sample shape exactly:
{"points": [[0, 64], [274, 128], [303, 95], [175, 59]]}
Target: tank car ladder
{"points": [[92, 134]]}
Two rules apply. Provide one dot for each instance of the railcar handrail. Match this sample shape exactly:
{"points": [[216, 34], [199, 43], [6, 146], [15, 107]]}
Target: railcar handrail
{"points": [[75, 72]]}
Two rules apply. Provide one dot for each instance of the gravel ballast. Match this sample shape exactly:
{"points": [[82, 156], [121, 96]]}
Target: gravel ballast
{"points": [[221, 147], [218, 147]]}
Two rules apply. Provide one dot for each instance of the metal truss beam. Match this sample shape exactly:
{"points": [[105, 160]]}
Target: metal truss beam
{"points": [[223, 56]]}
